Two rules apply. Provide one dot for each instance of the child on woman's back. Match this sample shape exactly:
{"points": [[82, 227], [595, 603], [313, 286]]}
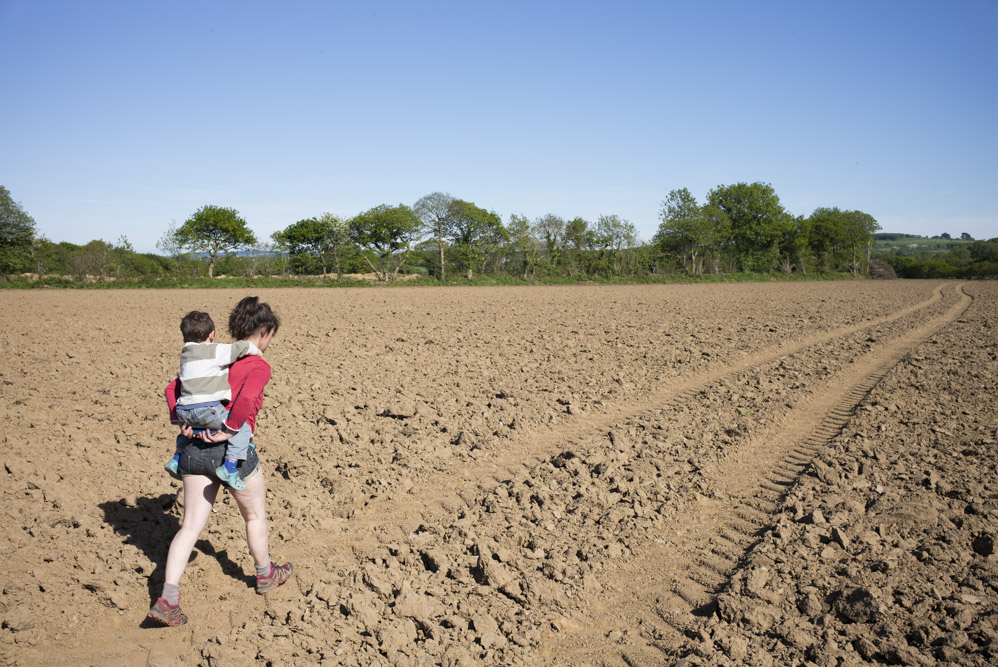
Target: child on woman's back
{"points": [[204, 385]]}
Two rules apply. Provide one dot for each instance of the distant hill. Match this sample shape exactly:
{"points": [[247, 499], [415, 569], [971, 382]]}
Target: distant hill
{"points": [[914, 245]]}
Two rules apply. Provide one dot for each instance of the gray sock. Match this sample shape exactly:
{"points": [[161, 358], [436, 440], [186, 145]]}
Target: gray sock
{"points": [[263, 571], [171, 593]]}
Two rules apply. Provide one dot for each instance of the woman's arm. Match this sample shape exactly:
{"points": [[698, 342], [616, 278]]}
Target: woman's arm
{"points": [[172, 394], [247, 398]]}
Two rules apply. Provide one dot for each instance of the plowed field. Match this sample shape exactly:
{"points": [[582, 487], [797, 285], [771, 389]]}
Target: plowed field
{"points": [[747, 473]]}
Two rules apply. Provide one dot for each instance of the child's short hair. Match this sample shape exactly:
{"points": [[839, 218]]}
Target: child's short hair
{"points": [[196, 326]]}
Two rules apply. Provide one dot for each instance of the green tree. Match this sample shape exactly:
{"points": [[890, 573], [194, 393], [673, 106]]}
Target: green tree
{"points": [[126, 261], [859, 228], [45, 257], [17, 234], [580, 240], [720, 247], [96, 260], [169, 244], [615, 234], [550, 230], [794, 244], [314, 241], [685, 230], [474, 233], [50, 257], [434, 212], [986, 251], [758, 222], [213, 230], [523, 246], [386, 234], [827, 238], [338, 240], [262, 259]]}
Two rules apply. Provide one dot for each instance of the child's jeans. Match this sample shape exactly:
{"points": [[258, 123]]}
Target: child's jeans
{"points": [[209, 416]]}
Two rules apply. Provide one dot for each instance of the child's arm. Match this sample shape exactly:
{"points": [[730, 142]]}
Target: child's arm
{"points": [[227, 353]]}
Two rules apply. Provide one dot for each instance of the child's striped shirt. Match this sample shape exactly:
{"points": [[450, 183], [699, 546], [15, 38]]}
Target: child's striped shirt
{"points": [[204, 370]]}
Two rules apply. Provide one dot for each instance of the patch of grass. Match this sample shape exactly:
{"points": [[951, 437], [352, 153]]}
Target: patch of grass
{"points": [[58, 282]]}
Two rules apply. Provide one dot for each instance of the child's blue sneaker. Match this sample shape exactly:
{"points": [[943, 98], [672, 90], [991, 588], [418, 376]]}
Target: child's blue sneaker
{"points": [[171, 467], [231, 478]]}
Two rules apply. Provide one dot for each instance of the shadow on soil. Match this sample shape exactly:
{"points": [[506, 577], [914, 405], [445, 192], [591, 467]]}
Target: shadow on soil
{"points": [[146, 524]]}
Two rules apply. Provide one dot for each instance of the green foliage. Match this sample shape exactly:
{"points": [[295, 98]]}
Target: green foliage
{"points": [[551, 247], [615, 235], [476, 236], [793, 246], [740, 232], [757, 222], [984, 251], [45, 257], [550, 231], [689, 230], [182, 263], [213, 230], [827, 236], [841, 239], [434, 211], [386, 234], [315, 243], [971, 260], [744, 228], [175, 282], [97, 260], [521, 258], [262, 260], [580, 245], [17, 235]]}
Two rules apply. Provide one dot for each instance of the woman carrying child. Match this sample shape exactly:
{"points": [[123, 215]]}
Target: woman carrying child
{"points": [[200, 458]]}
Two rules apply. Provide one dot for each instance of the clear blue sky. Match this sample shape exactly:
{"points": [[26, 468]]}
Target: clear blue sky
{"points": [[120, 117]]}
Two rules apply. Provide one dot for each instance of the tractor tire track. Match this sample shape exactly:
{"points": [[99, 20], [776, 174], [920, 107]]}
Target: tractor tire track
{"points": [[458, 485], [678, 572]]}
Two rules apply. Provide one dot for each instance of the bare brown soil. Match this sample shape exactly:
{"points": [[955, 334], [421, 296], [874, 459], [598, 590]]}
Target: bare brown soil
{"points": [[704, 474]]}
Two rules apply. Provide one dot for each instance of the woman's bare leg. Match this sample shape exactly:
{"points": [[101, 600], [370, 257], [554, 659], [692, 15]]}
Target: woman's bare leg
{"points": [[252, 506], [199, 496]]}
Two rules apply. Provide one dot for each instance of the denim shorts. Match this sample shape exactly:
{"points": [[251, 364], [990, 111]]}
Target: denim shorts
{"points": [[198, 457], [203, 415]]}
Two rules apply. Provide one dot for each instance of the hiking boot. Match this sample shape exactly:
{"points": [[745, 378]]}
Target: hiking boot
{"points": [[166, 613], [171, 467], [231, 478], [278, 575]]}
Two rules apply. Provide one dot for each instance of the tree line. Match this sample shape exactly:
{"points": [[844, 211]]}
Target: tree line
{"points": [[965, 259], [739, 228], [744, 227]]}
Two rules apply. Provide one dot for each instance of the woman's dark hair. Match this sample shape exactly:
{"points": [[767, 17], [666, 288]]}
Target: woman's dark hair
{"points": [[249, 316]]}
